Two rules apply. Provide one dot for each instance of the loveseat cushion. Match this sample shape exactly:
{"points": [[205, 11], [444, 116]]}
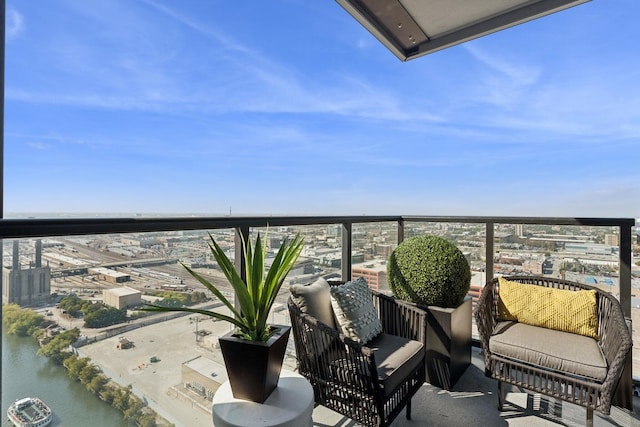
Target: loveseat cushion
{"points": [[315, 300], [560, 309], [556, 350]]}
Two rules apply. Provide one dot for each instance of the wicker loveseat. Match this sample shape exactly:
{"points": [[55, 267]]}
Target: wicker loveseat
{"points": [[580, 369], [368, 382]]}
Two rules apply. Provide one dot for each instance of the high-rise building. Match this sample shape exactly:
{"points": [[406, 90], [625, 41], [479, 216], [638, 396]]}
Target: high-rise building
{"points": [[520, 230]]}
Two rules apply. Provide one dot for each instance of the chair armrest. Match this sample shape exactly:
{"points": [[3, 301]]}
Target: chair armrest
{"points": [[486, 317], [324, 354], [400, 318], [614, 340]]}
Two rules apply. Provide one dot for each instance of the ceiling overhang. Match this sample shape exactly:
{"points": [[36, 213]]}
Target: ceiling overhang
{"points": [[413, 28]]}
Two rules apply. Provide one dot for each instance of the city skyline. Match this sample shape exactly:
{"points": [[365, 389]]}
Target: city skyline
{"points": [[293, 108]]}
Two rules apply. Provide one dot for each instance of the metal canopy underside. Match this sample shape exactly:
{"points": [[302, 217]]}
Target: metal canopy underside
{"points": [[413, 28]]}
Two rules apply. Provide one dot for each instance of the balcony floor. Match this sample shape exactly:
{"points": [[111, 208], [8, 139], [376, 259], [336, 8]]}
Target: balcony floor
{"points": [[473, 402]]}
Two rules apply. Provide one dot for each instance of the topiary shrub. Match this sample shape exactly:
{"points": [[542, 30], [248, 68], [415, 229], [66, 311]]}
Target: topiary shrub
{"points": [[429, 270]]}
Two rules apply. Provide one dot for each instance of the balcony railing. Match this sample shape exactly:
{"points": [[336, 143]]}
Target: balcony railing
{"points": [[26, 228], [405, 225]]}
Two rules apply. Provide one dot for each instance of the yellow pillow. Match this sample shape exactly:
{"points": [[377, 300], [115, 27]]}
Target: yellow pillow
{"points": [[560, 309]]}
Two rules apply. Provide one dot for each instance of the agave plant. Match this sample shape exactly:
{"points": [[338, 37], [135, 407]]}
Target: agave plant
{"points": [[256, 295]]}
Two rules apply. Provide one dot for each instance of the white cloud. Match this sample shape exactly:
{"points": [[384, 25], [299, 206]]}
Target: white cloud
{"points": [[14, 23], [38, 146]]}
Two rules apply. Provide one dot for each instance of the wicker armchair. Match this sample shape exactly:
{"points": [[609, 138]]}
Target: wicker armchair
{"points": [[546, 377], [349, 377]]}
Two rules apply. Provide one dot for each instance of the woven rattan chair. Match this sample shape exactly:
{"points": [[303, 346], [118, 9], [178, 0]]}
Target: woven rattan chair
{"points": [[614, 342], [345, 375]]}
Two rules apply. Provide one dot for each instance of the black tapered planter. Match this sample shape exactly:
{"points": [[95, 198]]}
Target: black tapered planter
{"points": [[448, 346], [253, 367]]}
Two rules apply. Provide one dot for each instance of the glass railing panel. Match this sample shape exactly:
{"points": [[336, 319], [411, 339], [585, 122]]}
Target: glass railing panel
{"points": [[372, 245], [81, 287], [583, 254], [470, 238], [321, 256], [635, 298]]}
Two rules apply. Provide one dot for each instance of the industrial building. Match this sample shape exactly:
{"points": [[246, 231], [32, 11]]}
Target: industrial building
{"points": [[110, 275], [203, 376], [122, 297], [26, 286]]}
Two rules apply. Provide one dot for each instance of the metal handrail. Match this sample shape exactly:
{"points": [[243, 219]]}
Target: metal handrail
{"points": [[45, 227], [23, 228]]}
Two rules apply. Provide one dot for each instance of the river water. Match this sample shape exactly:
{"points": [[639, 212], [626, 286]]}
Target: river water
{"points": [[24, 374]]}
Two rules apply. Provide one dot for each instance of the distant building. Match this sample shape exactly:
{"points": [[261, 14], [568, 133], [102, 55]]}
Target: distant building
{"points": [[203, 376], [533, 266], [110, 275], [503, 237], [611, 240], [26, 286], [589, 249], [383, 250], [374, 274], [122, 297]]}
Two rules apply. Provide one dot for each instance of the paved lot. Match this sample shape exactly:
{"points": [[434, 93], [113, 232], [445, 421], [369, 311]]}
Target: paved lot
{"points": [[173, 343]]}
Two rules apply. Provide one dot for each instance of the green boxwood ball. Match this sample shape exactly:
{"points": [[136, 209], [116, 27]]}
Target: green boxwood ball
{"points": [[429, 270]]}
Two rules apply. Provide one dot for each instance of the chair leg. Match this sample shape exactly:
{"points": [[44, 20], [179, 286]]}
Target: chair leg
{"points": [[500, 396], [409, 409], [589, 417]]}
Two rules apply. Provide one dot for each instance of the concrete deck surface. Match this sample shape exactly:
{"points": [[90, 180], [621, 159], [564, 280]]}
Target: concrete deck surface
{"points": [[473, 402]]}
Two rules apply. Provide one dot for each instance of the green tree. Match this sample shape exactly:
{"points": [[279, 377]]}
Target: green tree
{"points": [[88, 373], [121, 398], [134, 411], [108, 393], [105, 316], [58, 348], [147, 420], [97, 384], [72, 305], [75, 365], [20, 321]]}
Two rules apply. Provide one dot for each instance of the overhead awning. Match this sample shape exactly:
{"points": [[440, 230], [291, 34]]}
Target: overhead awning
{"points": [[413, 28]]}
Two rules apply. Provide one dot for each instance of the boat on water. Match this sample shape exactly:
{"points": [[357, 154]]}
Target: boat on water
{"points": [[29, 412]]}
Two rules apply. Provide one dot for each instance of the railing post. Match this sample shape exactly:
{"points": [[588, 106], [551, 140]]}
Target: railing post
{"points": [[347, 246], [489, 251], [400, 231], [625, 269], [624, 393]]}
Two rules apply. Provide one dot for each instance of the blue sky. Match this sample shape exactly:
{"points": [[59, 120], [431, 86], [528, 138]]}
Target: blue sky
{"points": [[291, 107]]}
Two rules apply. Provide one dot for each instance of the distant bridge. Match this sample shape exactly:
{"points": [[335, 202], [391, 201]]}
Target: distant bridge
{"points": [[77, 271]]}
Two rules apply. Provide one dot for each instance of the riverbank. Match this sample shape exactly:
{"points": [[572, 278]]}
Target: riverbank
{"points": [[26, 374], [27, 325]]}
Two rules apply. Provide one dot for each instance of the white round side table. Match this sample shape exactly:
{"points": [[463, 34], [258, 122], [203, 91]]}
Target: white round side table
{"points": [[290, 405]]}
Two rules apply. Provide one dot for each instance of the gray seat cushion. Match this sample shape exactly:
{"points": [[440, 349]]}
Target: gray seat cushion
{"points": [[560, 351], [395, 357]]}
